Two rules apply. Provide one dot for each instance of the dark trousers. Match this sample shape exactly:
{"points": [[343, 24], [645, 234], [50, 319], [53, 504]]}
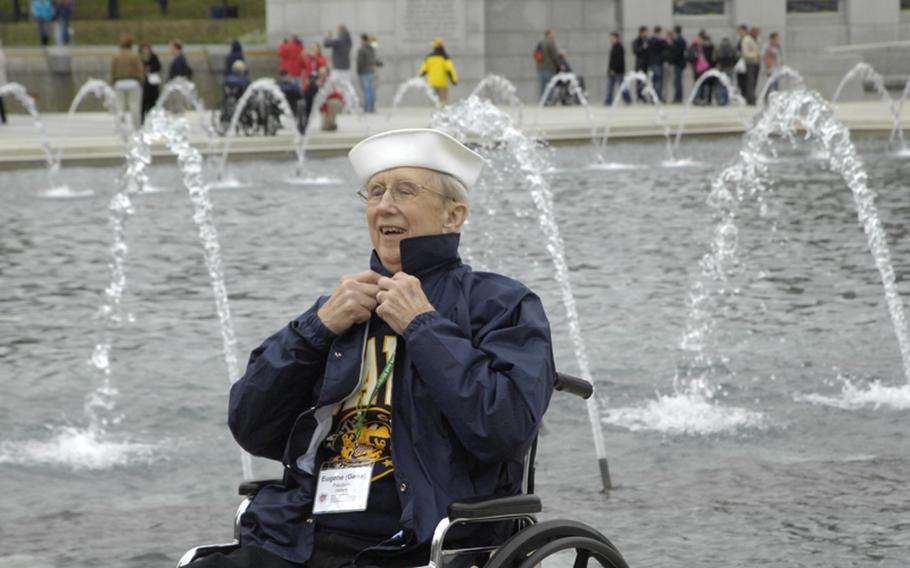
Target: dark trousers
{"points": [[750, 80], [44, 31], [614, 80], [657, 80], [678, 83], [2, 112], [706, 91]]}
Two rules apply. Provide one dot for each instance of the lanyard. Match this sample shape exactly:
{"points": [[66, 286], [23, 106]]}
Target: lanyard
{"points": [[362, 410]]}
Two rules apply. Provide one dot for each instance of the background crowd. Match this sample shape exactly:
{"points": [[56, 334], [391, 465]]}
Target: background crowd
{"points": [[303, 68], [664, 55]]}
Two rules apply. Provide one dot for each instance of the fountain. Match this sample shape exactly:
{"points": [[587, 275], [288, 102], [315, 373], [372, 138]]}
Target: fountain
{"points": [[26, 100], [351, 105], [897, 130], [747, 179], [186, 90], [574, 89], [478, 119], [779, 74], [174, 132], [573, 86], [502, 90], [648, 91], [731, 90], [259, 86], [105, 92], [868, 74], [413, 83]]}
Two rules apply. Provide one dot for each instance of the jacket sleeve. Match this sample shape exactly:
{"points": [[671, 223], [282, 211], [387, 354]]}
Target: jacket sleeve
{"points": [[494, 388], [450, 68], [551, 53], [278, 384], [423, 69]]}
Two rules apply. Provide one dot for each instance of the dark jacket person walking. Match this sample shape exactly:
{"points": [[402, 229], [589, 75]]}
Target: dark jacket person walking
{"points": [[341, 52], [151, 87], [180, 67], [616, 69], [640, 49]]}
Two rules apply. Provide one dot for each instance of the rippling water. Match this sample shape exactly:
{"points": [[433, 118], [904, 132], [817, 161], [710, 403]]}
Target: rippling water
{"points": [[803, 459]]}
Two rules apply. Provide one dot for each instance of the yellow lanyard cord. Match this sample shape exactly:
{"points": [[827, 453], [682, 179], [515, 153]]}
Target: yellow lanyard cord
{"points": [[362, 410]]}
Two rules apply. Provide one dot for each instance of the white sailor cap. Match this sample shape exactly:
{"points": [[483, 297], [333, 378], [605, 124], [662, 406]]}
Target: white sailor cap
{"points": [[418, 148]]}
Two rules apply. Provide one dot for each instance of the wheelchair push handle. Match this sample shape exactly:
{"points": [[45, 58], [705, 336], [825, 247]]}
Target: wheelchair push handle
{"points": [[574, 385]]}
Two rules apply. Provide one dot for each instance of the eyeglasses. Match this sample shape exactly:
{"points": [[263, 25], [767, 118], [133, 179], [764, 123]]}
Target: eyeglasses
{"points": [[400, 192]]}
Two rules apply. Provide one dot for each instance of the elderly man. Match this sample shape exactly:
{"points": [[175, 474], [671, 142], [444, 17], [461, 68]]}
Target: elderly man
{"points": [[414, 384]]}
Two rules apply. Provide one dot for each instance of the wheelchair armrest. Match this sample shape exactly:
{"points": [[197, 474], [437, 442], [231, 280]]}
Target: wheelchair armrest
{"points": [[573, 385], [251, 488], [495, 506]]}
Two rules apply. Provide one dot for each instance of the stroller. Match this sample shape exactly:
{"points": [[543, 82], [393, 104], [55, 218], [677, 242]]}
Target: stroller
{"points": [[564, 92]]}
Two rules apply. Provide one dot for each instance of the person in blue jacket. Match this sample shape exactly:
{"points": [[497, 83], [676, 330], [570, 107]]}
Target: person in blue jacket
{"points": [[416, 383]]}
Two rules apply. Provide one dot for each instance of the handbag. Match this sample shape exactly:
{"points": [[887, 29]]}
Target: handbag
{"points": [[154, 78], [740, 67], [701, 64]]}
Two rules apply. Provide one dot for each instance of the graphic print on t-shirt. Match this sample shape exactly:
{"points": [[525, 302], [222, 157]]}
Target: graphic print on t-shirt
{"points": [[375, 441]]}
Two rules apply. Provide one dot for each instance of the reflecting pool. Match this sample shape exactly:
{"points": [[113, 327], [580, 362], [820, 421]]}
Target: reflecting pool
{"points": [[801, 458]]}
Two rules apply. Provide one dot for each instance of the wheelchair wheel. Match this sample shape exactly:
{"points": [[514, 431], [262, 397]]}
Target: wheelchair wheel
{"points": [[218, 124], [524, 544], [249, 122], [585, 549], [273, 121]]}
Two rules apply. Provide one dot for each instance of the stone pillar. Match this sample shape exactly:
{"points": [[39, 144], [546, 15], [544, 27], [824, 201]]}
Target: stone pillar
{"points": [[872, 21]]}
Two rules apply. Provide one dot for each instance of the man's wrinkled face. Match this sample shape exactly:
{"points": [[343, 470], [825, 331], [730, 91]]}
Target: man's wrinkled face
{"points": [[409, 207]]}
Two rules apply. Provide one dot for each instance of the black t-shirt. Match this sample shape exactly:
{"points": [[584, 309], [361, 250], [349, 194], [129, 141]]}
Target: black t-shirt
{"points": [[381, 518]]}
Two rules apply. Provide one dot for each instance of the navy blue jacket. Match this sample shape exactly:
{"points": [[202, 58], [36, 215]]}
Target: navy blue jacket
{"points": [[475, 383]]}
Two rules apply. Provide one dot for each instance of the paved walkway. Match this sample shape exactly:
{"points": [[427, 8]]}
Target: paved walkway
{"points": [[91, 137]]}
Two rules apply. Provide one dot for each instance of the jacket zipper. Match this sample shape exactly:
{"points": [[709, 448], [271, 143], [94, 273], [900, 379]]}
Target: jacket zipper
{"points": [[316, 406]]}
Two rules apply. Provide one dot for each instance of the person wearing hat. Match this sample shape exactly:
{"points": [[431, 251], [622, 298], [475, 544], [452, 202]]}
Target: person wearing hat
{"points": [[439, 71], [415, 383]]}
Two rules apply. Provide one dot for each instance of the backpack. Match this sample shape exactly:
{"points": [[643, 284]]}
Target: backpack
{"points": [[538, 53], [692, 53]]}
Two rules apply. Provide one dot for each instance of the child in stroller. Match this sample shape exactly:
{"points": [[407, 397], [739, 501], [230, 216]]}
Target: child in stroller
{"points": [[564, 91]]}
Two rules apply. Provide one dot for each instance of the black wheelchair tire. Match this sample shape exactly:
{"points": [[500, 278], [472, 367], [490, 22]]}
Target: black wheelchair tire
{"points": [[525, 542], [585, 549]]}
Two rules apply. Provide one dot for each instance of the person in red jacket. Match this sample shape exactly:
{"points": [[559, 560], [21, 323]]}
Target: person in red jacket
{"points": [[289, 58], [310, 62]]}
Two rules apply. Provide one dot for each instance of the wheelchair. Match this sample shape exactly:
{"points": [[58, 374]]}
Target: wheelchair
{"points": [[530, 544], [262, 113]]}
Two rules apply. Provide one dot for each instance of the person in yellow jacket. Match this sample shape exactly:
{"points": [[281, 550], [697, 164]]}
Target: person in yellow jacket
{"points": [[439, 71]]}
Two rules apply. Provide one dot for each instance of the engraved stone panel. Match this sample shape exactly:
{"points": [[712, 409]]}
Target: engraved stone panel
{"points": [[419, 21]]}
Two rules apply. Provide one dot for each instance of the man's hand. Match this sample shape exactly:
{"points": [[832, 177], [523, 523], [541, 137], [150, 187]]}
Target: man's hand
{"points": [[401, 299], [351, 303]]}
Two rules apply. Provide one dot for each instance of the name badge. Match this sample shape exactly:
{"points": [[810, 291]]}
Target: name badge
{"points": [[343, 487]]}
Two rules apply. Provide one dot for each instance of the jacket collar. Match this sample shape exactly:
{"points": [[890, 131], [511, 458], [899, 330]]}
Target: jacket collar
{"points": [[422, 255]]}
